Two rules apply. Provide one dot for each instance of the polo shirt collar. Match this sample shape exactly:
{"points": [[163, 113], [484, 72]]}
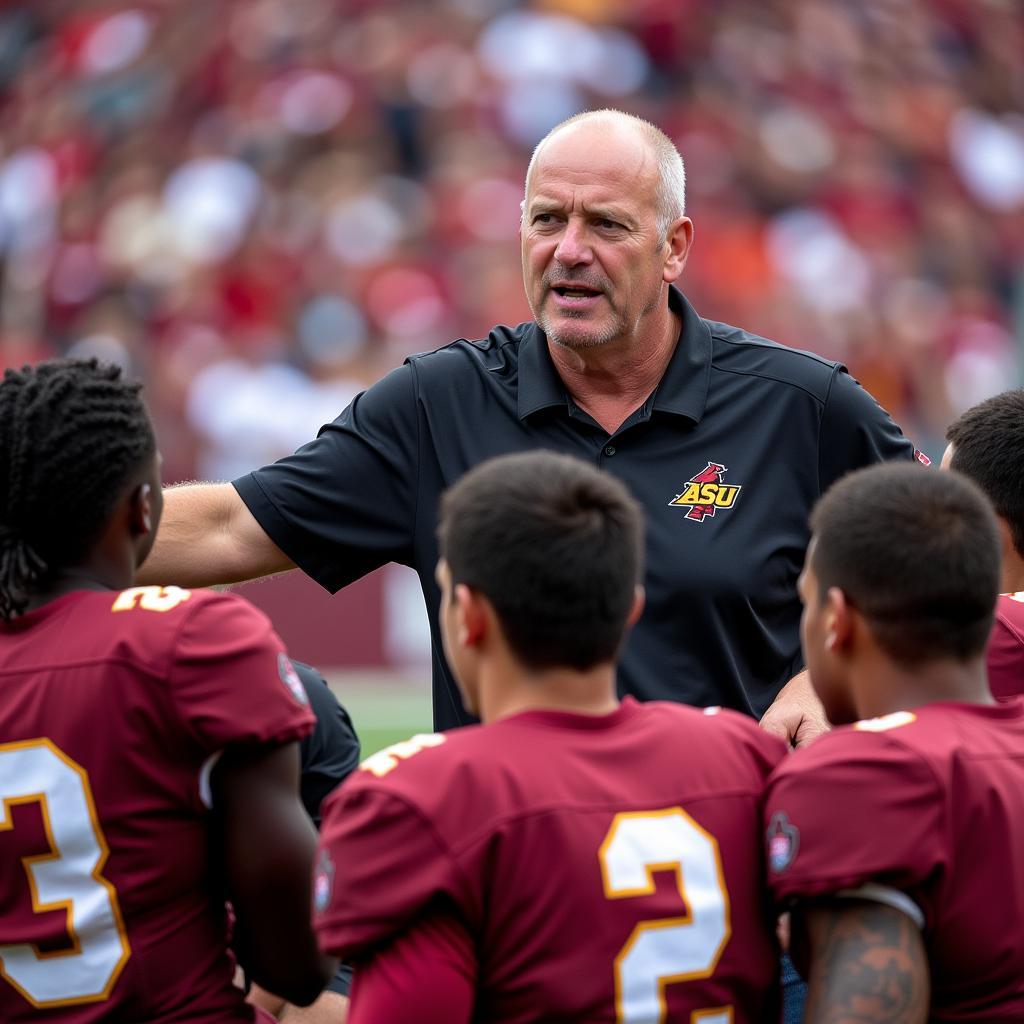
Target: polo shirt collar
{"points": [[682, 391]]}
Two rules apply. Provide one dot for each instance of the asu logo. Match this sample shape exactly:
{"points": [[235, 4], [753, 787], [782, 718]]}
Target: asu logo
{"points": [[705, 492]]}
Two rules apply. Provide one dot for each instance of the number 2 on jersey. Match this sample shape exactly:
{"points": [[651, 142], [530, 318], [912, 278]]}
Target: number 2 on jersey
{"points": [[66, 878], [683, 948]]}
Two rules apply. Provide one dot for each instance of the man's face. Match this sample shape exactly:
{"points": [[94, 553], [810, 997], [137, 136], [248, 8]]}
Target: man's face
{"points": [[594, 259], [460, 664], [826, 668]]}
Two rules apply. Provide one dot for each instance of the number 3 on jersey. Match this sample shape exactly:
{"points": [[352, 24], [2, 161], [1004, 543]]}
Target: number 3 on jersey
{"points": [[67, 878], [672, 949]]}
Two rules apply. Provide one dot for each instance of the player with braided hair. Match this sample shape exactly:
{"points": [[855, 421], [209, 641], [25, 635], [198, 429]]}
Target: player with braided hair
{"points": [[58, 481], [141, 728]]}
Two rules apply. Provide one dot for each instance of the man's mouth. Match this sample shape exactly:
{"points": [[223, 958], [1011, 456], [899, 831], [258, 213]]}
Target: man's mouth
{"points": [[575, 291]]}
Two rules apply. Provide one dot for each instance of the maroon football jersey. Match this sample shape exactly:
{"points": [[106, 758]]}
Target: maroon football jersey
{"points": [[606, 866], [1006, 648], [929, 803], [113, 708]]}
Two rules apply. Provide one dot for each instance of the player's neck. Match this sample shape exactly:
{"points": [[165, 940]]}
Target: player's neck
{"points": [[889, 687], [79, 577], [510, 690], [1012, 581]]}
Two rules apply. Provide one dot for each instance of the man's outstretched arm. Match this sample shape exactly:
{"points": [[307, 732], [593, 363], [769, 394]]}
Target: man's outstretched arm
{"points": [[207, 536], [867, 964]]}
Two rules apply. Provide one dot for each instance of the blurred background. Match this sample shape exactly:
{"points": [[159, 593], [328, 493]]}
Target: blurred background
{"points": [[261, 206]]}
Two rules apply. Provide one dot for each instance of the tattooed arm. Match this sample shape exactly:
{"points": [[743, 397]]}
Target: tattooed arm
{"points": [[867, 964]]}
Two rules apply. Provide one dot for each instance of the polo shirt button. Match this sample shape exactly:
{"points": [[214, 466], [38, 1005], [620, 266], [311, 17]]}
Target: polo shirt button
{"points": [[609, 449]]}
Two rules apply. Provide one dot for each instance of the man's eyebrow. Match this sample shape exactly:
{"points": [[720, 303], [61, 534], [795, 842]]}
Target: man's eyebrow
{"points": [[541, 205], [610, 212]]}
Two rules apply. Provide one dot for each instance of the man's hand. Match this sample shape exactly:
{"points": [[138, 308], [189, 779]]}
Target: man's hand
{"points": [[796, 714]]}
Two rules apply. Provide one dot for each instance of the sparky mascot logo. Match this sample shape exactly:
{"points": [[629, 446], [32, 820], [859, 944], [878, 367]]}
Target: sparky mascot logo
{"points": [[705, 492]]}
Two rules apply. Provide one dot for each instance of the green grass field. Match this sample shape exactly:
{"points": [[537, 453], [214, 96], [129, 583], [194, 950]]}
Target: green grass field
{"points": [[385, 706]]}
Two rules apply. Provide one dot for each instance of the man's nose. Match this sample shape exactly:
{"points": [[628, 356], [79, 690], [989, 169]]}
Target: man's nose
{"points": [[574, 246]]}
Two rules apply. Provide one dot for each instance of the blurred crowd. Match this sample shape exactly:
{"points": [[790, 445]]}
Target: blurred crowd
{"points": [[262, 205]]}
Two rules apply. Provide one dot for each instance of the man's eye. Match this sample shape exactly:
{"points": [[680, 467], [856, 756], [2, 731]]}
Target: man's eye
{"points": [[543, 218], [608, 224]]}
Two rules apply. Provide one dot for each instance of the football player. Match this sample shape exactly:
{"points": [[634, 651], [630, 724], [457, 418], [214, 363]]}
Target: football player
{"points": [[576, 857], [148, 740], [896, 839], [987, 444]]}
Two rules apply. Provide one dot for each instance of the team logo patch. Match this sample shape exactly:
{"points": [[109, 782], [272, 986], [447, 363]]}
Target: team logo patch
{"points": [[783, 841], [323, 882], [290, 678], [705, 493]]}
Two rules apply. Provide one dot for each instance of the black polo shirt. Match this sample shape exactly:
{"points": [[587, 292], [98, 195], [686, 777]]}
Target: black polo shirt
{"points": [[727, 456]]}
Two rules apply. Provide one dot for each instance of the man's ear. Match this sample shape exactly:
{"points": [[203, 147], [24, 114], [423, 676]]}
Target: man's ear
{"points": [[839, 620], [470, 616], [679, 241], [140, 510]]}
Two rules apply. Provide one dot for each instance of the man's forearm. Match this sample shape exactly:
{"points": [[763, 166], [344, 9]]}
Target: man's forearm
{"points": [[208, 536]]}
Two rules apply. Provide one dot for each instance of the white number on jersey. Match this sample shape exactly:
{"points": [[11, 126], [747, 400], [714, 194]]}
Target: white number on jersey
{"points": [[68, 878], [683, 948]]}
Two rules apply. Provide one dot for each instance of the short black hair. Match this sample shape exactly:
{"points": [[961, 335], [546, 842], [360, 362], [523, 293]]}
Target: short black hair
{"points": [[555, 545], [917, 553], [72, 434], [988, 446]]}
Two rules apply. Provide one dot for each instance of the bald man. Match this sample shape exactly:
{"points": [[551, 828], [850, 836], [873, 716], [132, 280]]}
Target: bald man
{"points": [[725, 438]]}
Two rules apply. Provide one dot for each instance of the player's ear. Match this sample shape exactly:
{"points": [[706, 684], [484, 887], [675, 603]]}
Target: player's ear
{"points": [[470, 615], [639, 600], [839, 620], [140, 510]]}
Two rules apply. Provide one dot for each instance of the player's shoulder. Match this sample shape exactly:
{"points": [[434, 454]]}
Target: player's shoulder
{"points": [[163, 606], [717, 729], [155, 619], [423, 761], [1010, 613], [872, 746], [735, 350]]}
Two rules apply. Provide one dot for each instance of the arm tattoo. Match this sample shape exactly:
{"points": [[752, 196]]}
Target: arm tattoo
{"points": [[868, 965]]}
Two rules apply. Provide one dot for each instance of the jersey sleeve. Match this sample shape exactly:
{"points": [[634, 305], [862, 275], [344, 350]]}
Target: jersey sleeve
{"points": [[854, 809], [855, 431], [231, 680], [388, 864], [345, 503], [427, 974]]}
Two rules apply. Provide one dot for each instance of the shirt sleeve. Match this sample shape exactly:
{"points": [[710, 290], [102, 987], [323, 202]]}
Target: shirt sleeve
{"points": [[427, 974], [853, 809], [1005, 659], [231, 680], [388, 864], [346, 503], [855, 431], [331, 752]]}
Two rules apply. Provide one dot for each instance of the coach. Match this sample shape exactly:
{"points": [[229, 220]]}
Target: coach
{"points": [[727, 439]]}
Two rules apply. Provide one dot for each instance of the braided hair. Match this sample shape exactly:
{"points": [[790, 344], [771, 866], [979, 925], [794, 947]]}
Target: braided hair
{"points": [[72, 433]]}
